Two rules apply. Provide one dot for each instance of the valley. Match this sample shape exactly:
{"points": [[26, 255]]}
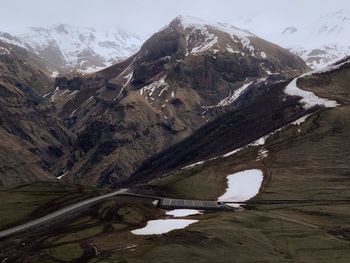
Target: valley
{"points": [[206, 143]]}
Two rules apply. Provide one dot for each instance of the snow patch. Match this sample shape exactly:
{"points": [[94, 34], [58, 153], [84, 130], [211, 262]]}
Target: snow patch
{"points": [[73, 113], [151, 88], [237, 35], [230, 99], [246, 44], [263, 153], [208, 43], [193, 165], [61, 176], [183, 212], [301, 120], [232, 152], [71, 42], [230, 50], [54, 74], [162, 91], [4, 51], [242, 186], [128, 78], [308, 98], [162, 226], [233, 97]]}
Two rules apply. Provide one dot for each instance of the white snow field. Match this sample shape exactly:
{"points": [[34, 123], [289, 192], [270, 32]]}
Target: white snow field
{"points": [[309, 99], [242, 186], [162, 226], [183, 212]]}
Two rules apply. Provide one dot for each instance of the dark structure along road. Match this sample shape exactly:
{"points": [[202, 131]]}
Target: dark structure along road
{"points": [[169, 203]]}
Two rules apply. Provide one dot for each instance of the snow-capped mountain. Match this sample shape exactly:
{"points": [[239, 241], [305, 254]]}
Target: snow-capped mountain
{"points": [[322, 42], [65, 48], [184, 76]]}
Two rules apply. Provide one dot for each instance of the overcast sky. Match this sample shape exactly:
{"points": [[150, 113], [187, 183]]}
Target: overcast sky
{"points": [[147, 16]]}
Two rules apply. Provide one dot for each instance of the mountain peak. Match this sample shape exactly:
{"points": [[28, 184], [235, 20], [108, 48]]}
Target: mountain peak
{"points": [[190, 22]]}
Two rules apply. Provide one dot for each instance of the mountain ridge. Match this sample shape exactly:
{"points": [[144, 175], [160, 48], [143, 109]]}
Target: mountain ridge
{"points": [[320, 42], [66, 48], [184, 76]]}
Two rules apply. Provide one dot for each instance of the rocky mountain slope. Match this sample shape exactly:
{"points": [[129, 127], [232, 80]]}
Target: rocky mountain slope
{"points": [[280, 105], [64, 48], [184, 76], [32, 138]]}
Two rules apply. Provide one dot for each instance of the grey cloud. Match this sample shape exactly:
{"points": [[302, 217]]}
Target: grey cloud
{"points": [[147, 16]]}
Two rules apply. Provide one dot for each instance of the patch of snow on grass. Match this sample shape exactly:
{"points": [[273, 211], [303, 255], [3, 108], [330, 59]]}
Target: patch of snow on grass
{"points": [[263, 55], [242, 186], [309, 99], [183, 212], [162, 226], [301, 120], [232, 152], [259, 142], [192, 165]]}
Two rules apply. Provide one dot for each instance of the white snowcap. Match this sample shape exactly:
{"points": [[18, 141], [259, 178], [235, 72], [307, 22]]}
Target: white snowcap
{"points": [[193, 22]]}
